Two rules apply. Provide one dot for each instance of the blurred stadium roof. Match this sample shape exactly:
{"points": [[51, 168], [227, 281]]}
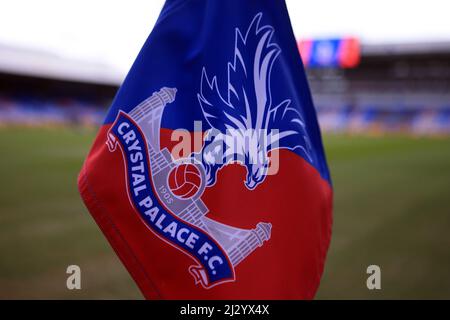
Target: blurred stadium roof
{"points": [[96, 41], [36, 63], [414, 48]]}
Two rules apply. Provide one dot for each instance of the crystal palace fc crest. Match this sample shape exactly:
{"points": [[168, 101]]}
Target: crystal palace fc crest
{"points": [[167, 193]]}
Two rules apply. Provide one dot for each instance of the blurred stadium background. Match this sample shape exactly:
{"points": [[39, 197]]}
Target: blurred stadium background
{"points": [[380, 77]]}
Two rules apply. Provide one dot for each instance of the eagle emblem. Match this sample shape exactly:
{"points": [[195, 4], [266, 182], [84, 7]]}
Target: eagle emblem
{"points": [[244, 118]]}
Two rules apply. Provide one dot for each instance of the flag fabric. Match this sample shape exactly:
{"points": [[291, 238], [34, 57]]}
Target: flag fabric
{"points": [[208, 176]]}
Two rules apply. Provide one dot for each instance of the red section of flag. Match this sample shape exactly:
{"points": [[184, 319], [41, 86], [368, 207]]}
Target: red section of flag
{"points": [[296, 201]]}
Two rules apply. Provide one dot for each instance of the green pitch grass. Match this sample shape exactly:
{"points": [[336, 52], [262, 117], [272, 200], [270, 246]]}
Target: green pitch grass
{"points": [[392, 209]]}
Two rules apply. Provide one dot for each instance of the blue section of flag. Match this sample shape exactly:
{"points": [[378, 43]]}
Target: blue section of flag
{"points": [[191, 36]]}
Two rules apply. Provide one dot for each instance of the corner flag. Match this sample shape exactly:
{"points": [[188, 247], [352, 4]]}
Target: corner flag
{"points": [[208, 176]]}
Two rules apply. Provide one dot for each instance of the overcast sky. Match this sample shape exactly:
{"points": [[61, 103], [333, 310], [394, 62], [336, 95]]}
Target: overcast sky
{"points": [[113, 31]]}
